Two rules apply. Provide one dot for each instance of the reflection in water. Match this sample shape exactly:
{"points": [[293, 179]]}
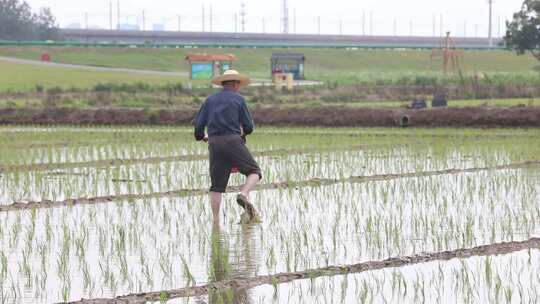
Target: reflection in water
{"points": [[233, 256]]}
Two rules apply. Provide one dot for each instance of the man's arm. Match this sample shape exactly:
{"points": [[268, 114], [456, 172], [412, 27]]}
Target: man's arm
{"points": [[200, 122], [246, 121]]}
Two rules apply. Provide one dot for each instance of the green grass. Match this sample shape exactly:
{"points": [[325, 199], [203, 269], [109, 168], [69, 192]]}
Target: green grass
{"points": [[20, 77], [321, 63], [159, 101]]}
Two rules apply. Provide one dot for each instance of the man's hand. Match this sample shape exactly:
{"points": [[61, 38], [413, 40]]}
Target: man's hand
{"points": [[205, 138]]}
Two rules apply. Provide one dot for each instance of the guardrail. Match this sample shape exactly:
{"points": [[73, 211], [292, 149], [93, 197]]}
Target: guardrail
{"points": [[237, 45]]}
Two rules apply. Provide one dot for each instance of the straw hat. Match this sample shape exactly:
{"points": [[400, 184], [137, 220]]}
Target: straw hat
{"points": [[231, 75]]}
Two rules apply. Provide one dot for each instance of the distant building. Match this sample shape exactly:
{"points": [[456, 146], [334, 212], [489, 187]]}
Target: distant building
{"points": [[293, 63], [158, 27], [129, 27], [207, 66]]}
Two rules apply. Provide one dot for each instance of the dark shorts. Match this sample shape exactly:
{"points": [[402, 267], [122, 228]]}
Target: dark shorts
{"points": [[226, 152]]}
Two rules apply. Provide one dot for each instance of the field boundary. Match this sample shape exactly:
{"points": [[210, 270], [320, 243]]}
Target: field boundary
{"points": [[279, 185], [280, 278], [472, 117]]}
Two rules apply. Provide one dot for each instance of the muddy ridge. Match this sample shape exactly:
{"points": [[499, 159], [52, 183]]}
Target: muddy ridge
{"points": [[299, 184], [280, 278], [275, 116]]}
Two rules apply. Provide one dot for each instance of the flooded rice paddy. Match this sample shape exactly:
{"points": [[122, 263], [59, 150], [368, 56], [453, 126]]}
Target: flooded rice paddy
{"points": [[329, 197]]}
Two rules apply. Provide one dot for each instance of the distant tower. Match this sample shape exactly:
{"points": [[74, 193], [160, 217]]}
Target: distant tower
{"points": [[243, 15], [285, 17]]}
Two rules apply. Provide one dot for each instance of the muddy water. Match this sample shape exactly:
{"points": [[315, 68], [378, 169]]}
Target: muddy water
{"points": [[512, 278], [138, 245], [143, 178], [155, 244]]}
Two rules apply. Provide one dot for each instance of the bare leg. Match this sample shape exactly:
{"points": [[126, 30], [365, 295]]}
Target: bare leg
{"points": [[251, 181], [215, 200]]}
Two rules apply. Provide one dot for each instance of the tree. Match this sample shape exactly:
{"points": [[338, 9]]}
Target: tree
{"points": [[17, 22], [523, 33]]}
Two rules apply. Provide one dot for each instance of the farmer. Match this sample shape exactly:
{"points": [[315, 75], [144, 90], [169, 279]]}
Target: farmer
{"points": [[228, 121]]}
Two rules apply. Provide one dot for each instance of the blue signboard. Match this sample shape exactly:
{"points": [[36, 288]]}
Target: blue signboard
{"points": [[202, 71]]}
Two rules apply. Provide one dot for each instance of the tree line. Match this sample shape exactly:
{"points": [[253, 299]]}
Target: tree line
{"points": [[18, 22]]}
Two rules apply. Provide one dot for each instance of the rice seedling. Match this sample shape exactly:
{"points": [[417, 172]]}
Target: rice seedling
{"points": [[137, 243]]}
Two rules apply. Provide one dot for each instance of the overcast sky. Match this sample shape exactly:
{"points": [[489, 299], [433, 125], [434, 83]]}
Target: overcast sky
{"points": [[462, 17]]}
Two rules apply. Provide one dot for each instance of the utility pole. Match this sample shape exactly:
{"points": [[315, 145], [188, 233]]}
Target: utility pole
{"points": [[285, 26], [319, 24], [118, 14], [441, 25], [371, 23], [410, 28], [395, 27], [203, 15], [434, 25], [294, 18], [499, 27], [211, 18], [243, 15], [490, 33], [476, 30], [341, 27], [110, 15], [465, 28], [264, 25], [363, 23], [179, 23], [236, 23], [86, 20], [143, 21]]}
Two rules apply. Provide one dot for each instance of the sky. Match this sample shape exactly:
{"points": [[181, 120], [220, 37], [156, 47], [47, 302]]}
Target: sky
{"points": [[402, 17]]}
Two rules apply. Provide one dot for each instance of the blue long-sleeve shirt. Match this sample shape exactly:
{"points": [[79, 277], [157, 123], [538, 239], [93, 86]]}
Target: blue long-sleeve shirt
{"points": [[223, 113]]}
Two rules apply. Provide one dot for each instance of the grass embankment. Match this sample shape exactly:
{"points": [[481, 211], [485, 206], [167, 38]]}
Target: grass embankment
{"points": [[22, 78], [322, 64], [354, 78]]}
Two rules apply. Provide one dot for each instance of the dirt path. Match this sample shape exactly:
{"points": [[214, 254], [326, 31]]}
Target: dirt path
{"points": [[280, 278], [299, 184], [92, 68], [327, 116]]}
